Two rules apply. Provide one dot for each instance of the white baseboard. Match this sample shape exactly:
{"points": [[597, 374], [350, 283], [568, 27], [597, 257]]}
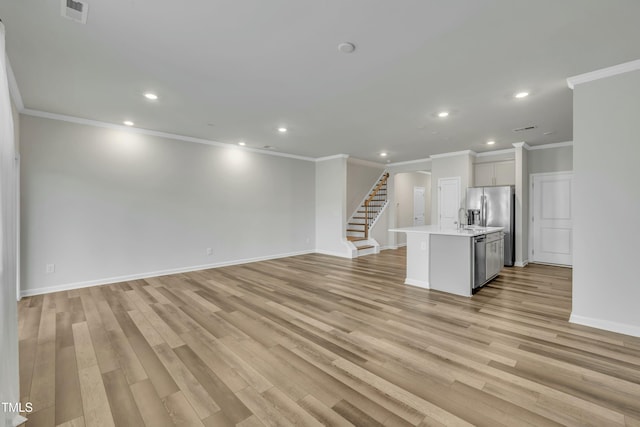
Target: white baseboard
{"points": [[419, 283], [521, 264], [118, 279], [607, 325], [332, 253], [384, 248]]}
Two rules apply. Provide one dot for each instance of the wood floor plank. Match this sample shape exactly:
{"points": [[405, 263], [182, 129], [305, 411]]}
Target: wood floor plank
{"points": [[197, 396], [180, 411], [123, 406], [314, 339], [150, 405]]}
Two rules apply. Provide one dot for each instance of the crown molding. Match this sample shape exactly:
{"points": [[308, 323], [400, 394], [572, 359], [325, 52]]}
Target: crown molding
{"points": [[552, 145], [495, 152], [603, 73], [13, 87], [455, 153], [522, 145], [366, 163], [337, 156], [424, 172], [95, 123], [408, 162]]}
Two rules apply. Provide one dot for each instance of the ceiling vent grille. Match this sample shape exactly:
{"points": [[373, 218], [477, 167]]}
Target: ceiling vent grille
{"points": [[525, 128], [75, 10]]}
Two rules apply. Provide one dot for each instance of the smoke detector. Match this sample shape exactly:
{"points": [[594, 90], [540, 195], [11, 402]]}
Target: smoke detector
{"points": [[346, 47], [74, 10]]}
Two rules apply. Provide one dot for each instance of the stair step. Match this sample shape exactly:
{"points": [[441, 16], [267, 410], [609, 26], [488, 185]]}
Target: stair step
{"points": [[355, 239], [357, 223], [361, 248], [355, 231]]}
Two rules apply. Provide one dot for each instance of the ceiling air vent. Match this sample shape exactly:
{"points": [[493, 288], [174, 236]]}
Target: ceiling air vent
{"points": [[525, 128], [75, 10]]}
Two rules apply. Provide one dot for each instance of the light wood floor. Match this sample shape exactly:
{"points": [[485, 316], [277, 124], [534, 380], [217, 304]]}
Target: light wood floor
{"points": [[314, 340]]}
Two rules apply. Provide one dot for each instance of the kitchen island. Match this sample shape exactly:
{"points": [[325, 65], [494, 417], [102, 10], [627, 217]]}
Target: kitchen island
{"points": [[443, 258]]}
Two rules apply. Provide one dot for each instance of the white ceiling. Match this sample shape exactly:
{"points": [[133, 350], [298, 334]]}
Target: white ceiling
{"points": [[238, 69]]}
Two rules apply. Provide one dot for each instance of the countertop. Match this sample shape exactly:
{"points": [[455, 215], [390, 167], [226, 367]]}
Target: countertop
{"points": [[436, 229]]}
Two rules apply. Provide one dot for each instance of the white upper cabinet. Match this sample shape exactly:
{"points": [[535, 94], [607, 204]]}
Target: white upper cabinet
{"points": [[495, 173]]}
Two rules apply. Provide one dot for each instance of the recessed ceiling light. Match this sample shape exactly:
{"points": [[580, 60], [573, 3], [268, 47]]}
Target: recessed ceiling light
{"points": [[521, 94], [151, 96], [383, 154], [490, 142], [242, 143], [443, 114], [128, 123], [282, 129], [346, 47]]}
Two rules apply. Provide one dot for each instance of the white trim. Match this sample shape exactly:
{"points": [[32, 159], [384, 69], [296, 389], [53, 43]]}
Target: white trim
{"points": [[522, 145], [365, 163], [549, 174], [418, 283], [408, 162], [18, 234], [14, 90], [337, 156], [607, 325], [18, 420], [422, 172], [603, 73], [454, 153], [521, 263], [553, 145], [332, 253], [496, 152], [96, 123], [118, 279]]}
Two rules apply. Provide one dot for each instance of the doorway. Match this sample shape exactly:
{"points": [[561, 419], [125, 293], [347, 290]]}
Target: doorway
{"points": [[551, 222], [418, 206]]}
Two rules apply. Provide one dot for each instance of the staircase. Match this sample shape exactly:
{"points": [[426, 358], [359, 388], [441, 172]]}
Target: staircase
{"points": [[365, 217]]}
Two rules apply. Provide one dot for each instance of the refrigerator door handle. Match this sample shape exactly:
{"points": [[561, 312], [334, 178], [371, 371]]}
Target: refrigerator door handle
{"points": [[483, 215]]}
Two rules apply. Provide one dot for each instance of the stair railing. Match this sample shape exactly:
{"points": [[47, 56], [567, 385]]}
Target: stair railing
{"points": [[368, 214]]}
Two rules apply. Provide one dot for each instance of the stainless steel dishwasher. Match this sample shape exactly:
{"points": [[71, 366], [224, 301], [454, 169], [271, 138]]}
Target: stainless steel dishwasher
{"points": [[479, 261]]}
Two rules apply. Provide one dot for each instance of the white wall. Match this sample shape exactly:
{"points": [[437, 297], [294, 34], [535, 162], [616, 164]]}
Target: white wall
{"points": [[102, 204], [547, 160], [331, 206], [606, 203], [522, 205], [403, 203], [361, 176], [9, 382], [448, 167]]}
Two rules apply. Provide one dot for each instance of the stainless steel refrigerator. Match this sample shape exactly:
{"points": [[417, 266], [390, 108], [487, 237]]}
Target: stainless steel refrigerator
{"points": [[495, 207]]}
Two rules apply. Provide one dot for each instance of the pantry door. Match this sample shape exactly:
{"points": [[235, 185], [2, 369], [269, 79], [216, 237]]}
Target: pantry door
{"points": [[551, 218]]}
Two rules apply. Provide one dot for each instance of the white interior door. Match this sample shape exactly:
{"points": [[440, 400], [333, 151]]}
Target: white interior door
{"points": [[552, 218], [418, 205], [448, 201]]}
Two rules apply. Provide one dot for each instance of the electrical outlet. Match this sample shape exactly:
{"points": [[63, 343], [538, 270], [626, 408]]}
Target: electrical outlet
{"points": [[423, 246], [209, 251], [50, 268]]}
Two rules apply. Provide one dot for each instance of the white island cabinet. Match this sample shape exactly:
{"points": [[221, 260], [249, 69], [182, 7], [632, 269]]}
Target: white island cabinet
{"points": [[443, 259]]}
